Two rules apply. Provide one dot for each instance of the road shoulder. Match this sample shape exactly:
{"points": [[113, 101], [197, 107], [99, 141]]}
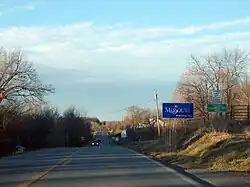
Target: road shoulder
{"points": [[191, 178], [224, 178], [208, 178]]}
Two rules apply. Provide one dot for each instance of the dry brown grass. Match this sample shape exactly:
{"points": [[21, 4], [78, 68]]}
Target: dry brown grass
{"points": [[247, 131], [217, 151]]}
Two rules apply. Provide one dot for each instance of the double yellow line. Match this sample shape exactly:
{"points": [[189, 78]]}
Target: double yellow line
{"points": [[65, 161]]}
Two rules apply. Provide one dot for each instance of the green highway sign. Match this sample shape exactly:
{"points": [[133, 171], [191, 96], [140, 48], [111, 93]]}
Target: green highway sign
{"points": [[217, 108]]}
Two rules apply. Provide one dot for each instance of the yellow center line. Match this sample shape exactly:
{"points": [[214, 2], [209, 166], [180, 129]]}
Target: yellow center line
{"points": [[38, 176]]}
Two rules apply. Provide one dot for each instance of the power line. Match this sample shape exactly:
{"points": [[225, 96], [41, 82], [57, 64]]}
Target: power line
{"points": [[124, 109]]}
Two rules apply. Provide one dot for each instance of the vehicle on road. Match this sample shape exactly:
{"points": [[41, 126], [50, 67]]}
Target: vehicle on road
{"points": [[95, 143]]}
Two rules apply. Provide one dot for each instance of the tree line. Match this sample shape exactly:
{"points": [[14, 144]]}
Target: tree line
{"points": [[25, 117]]}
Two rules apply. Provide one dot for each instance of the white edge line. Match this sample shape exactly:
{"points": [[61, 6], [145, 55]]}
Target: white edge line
{"points": [[190, 181]]}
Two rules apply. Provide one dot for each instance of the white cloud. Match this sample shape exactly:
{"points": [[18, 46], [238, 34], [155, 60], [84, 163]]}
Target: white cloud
{"points": [[226, 24], [17, 8], [121, 51], [21, 7]]}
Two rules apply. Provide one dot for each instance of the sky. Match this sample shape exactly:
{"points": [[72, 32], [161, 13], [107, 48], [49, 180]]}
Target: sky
{"points": [[103, 56]]}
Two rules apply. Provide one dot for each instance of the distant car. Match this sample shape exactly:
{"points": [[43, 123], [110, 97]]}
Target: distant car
{"points": [[95, 143]]}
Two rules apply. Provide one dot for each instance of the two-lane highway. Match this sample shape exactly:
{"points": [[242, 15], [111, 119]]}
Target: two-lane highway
{"points": [[103, 166]]}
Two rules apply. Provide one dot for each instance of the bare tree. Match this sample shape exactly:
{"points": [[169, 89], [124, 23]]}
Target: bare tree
{"points": [[114, 126], [137, 115], [19, 80], [220, 70], [245, 90]]}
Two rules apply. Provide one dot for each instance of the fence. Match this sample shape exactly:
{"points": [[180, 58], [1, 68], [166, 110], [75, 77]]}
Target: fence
{"points": [[240, 112]]}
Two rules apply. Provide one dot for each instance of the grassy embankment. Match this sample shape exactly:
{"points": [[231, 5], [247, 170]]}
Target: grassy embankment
{"points": [[215, 151]]}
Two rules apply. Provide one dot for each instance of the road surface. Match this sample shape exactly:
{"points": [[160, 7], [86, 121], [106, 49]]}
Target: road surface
{"points": [[104, 166], [224, 178]]}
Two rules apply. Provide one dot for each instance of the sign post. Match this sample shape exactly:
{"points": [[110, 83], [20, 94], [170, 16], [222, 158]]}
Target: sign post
{"points": [[177, 111]]}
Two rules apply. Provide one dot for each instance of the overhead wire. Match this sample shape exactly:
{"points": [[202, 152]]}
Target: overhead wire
{"points": [[124, 109]]}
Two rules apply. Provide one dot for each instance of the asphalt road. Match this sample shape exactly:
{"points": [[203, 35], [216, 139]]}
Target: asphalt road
{"points": [[19, 169], [224, 178], [104, 166]]}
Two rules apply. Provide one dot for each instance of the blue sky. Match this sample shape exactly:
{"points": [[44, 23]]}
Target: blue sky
{"points": [[105, 55]]}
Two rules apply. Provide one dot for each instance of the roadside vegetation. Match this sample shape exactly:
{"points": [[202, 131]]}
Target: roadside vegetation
{"points": [[214, 151], [25, 117], [210, 140]]}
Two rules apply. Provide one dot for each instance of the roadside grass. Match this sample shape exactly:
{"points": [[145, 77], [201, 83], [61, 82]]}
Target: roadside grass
{"points": [[214, 151]]}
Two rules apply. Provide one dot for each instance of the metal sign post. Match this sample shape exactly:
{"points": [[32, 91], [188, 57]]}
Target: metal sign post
{"points": [[176, 111]]}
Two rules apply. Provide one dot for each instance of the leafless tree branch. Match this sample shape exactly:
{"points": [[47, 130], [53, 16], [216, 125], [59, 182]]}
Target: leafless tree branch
{"points": [[19, 80]]}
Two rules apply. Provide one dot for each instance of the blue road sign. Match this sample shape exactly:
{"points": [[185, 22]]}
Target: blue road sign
{"points": [[177, 110]]}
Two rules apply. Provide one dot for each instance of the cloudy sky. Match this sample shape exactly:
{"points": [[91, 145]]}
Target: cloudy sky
{"points": [[105, 55]]}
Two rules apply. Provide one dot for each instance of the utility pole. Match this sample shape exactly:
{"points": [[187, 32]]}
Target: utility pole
{"points": [[157, 113], [221, 96]]}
